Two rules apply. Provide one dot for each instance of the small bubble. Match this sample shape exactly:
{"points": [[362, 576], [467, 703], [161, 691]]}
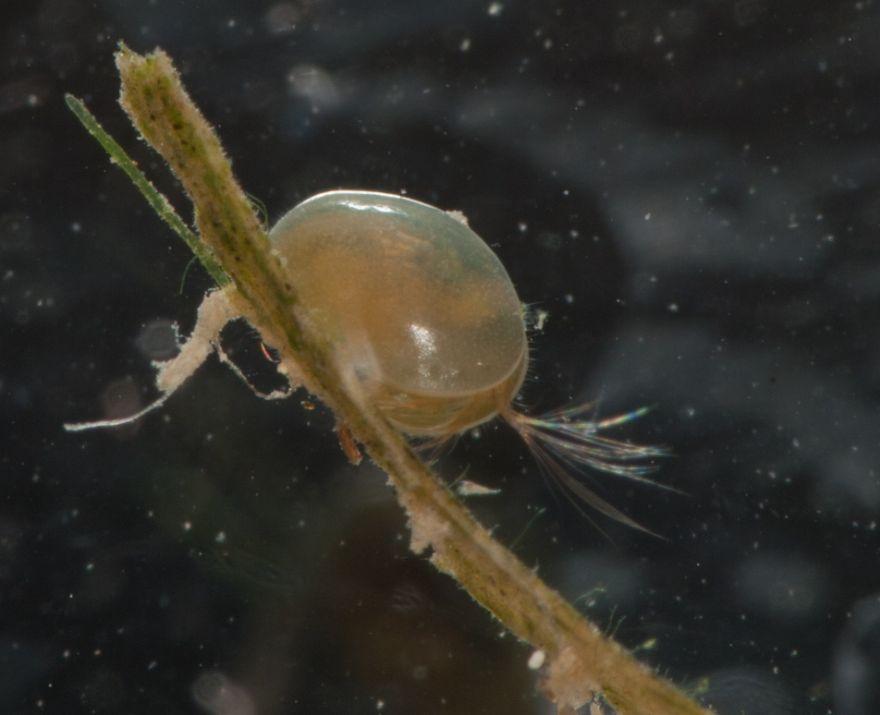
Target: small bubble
{"points": [[282, 18], [420, 672], [159, 339], [219, 695]]}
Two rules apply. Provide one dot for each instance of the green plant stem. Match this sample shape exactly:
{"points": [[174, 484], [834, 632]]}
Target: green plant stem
{"points": [[157, 201], [581, 660]]}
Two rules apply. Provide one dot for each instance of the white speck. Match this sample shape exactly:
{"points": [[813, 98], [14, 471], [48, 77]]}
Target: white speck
{"points": [[648, 216], [540, 319], [495, 9], [536, 659], [220, 538], [187, 525], [672, 307], [380, 705], [522, 227], [796, 443], [465, 44], [569, 298], [467, 488]]}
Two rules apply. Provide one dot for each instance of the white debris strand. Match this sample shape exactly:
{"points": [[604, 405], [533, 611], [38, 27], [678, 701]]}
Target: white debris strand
{"points": [[214, 313]]}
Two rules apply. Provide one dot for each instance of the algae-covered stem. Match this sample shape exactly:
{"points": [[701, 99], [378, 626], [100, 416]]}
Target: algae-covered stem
{"points": [[581, 661]]}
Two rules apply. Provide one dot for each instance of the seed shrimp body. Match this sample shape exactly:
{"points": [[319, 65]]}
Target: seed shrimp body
{"points": [[413, 302]]}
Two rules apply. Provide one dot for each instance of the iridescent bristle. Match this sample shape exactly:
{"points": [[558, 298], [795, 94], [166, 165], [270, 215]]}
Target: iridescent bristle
{"points": [[567, 439]]}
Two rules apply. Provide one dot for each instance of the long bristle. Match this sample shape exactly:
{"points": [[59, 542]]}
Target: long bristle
{"points": [[568, 439]]}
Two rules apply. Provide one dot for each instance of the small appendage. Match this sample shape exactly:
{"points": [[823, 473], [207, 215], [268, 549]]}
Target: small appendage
{"points": [[348, 444]]}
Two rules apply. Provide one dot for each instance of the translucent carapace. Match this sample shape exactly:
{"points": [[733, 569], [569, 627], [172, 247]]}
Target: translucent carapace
{"points": [[411, 300]]}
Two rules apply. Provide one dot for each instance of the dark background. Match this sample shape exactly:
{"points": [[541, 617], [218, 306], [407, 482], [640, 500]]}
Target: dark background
{"points": [[690, 190]]}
